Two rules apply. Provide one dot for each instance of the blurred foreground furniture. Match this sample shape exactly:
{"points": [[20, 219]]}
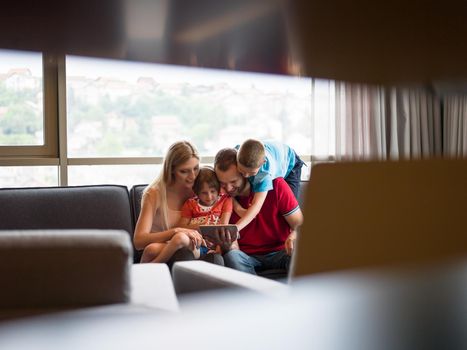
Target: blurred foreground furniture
{"points": [[64, 268], [51, 270], [384, 310], [198, 276]]}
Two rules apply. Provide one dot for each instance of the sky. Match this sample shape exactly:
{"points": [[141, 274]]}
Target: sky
{"points": [[131, 71], [21, 59]]}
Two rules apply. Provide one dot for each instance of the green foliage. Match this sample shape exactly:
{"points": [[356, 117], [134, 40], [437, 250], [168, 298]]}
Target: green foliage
{"points": [[20, 118]]}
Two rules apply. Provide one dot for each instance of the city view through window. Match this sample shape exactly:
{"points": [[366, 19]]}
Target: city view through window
{"points": [[131, 109], [21, 99]]}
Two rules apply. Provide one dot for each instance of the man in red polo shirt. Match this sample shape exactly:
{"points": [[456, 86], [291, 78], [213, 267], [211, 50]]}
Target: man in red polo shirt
{"points": [[267, 242]]}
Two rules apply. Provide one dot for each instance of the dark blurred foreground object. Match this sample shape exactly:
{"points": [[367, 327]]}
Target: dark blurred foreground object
{"points": [[381, 41], [374, 214], [231, 34], [365, 41]]}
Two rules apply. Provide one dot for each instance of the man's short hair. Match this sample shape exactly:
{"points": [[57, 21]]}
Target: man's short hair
{"points": [[251, 154], [225, 158]]}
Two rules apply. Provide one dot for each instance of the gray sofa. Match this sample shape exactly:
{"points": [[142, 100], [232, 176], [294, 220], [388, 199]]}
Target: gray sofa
{"points": [[71, 247]]}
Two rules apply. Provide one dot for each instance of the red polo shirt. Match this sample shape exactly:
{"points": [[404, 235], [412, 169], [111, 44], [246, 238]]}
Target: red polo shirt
{"points": [[269, 229]]}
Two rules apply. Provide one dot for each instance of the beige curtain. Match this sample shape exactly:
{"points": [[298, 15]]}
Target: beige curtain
{"points": [[374, 122], [455, 126]]}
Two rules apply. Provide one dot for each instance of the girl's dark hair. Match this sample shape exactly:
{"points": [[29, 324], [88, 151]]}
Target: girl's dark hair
{"points": [[206, 175]]}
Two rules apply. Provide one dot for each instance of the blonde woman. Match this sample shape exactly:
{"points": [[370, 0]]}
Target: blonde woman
{"points": [[156, 230]]}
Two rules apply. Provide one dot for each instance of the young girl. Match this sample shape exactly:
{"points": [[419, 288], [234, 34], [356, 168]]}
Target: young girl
{"points": [[156, 230], [209, 207]]}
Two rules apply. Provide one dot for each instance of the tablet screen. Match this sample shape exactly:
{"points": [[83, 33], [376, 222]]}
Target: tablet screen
{"points": [[212, 231]]}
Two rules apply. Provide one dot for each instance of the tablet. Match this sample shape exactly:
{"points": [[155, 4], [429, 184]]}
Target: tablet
{"points": [[210, 231]]}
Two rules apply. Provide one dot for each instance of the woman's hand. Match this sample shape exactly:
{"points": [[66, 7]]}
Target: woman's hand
{"points": [[194, 236]]}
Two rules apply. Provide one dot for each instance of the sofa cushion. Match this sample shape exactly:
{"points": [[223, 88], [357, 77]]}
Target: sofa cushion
{"points": [[64, 268]]}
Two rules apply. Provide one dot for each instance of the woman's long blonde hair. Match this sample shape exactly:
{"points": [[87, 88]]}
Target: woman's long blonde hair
{"points": [[178, 153]]}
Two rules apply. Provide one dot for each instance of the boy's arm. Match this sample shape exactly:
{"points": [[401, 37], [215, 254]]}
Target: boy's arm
{"points": [[253, 210]]}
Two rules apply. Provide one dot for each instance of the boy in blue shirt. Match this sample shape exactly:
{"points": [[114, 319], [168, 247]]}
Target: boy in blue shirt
{"points": [[261, 163]]}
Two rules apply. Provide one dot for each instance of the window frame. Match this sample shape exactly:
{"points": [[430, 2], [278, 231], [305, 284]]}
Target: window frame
{"points": [[50, 102]]}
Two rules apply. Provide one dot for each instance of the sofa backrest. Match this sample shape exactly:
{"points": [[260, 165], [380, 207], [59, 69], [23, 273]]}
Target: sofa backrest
{"points": [[136, 193], [73, 207]]}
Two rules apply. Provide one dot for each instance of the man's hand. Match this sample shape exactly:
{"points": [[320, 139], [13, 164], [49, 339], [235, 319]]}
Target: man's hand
{"points": [[225, 236], [290, 243], [224, 239]]}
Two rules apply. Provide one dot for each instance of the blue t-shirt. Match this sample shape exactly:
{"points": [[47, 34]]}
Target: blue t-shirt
{"points": [[279, 161]]}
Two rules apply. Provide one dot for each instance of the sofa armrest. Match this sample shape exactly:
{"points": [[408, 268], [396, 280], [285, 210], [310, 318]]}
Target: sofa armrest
{"points": [[197, 276], [152, 287], [53, 269]]}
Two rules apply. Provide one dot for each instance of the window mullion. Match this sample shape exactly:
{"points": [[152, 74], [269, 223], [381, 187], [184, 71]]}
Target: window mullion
{"points": [[62, 121]]}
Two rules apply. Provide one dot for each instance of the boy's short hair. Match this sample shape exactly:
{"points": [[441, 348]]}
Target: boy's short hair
{"points": [[251, 154], [206, 175], [225, 158]]}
